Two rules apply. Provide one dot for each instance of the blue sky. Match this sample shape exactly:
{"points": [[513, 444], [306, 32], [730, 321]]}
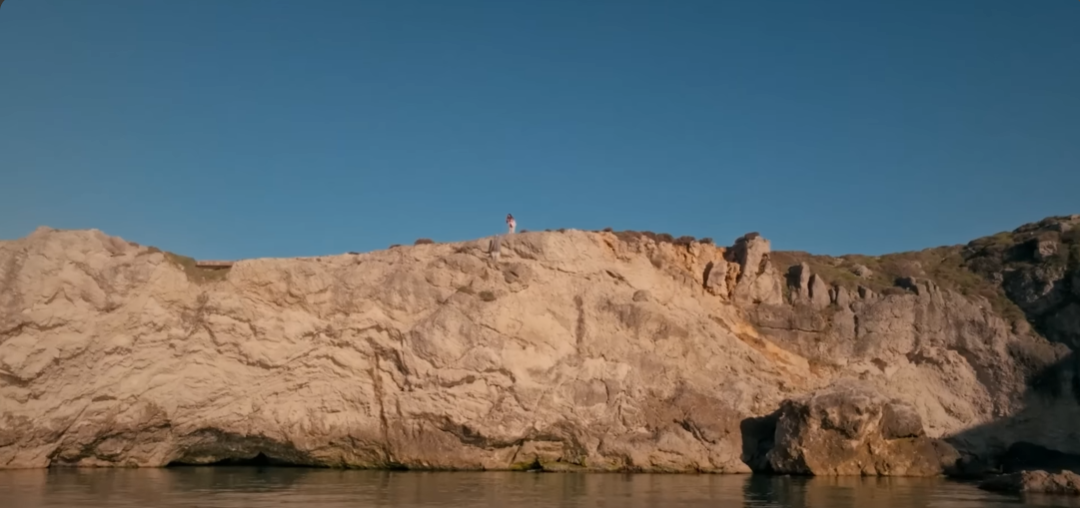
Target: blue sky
{"points": [[243, 128]]}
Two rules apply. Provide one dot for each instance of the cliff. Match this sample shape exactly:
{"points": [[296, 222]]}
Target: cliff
{"points": [[569, 350]]}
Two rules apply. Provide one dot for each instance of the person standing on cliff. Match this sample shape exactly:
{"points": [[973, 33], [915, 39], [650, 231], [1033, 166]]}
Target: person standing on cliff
{"points": [[510, 222]]}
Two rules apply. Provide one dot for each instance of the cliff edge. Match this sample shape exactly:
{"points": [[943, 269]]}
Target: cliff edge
{"points": [[570, 350]]}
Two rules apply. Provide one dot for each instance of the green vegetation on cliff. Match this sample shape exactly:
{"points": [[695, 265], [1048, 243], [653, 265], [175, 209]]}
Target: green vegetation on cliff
{"points": [[978, 268]]}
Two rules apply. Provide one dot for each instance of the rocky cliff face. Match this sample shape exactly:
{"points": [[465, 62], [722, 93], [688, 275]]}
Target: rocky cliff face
{"points": [[568, 350]]}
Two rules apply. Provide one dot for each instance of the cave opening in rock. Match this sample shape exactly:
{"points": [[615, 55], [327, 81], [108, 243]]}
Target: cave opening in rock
{"points": [[259, 460], [213, 447]]}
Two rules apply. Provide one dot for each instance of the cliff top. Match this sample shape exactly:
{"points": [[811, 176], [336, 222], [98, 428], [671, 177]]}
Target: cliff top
{"points": [[977, 268]]}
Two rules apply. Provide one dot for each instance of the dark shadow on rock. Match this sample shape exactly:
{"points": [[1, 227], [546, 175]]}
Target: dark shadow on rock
{"points": [[793, 275], [211, 446], [758, 434], [1058, 380], [259, 460], [907, 283], [1024, 456], [1037, 437]]}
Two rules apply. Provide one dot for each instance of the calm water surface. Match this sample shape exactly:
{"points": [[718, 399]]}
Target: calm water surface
{"points": [[235, 487]]}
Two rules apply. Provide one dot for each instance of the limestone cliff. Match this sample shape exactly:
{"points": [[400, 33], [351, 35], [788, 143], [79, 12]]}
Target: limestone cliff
{"points": [[568, 350]]}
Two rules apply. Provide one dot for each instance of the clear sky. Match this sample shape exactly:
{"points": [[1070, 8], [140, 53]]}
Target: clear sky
{"points": [[249, 128]]}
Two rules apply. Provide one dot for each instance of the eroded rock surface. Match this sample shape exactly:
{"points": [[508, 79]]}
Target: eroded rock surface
{"points": [[568, 350], [573, 350], [1038, 265], [850, 429], [758, 280]]}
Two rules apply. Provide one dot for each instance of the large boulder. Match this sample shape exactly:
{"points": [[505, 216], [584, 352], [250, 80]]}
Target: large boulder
{"points": [[851, 429]]}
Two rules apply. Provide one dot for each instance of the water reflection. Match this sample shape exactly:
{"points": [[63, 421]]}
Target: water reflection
{"points": [[234, 487]]}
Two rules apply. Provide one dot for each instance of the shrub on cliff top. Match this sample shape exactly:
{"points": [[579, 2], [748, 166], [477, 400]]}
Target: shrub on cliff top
{"points": [[684, 240], [423, 241], [630, 236], [945, 266]]}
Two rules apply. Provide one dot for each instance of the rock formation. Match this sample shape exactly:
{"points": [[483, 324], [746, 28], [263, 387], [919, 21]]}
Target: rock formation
{"points": [[850, 429], [1034, 482], [569, 350]]}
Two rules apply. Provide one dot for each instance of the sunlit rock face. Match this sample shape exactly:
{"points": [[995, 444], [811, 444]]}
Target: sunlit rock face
{"points": [[568, 350]]}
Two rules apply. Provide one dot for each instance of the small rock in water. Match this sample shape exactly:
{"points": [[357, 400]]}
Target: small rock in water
{"points": [[1034, 482]]}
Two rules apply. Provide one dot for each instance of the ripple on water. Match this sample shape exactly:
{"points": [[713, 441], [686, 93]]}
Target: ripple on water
{"points": [[250, 487]]}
